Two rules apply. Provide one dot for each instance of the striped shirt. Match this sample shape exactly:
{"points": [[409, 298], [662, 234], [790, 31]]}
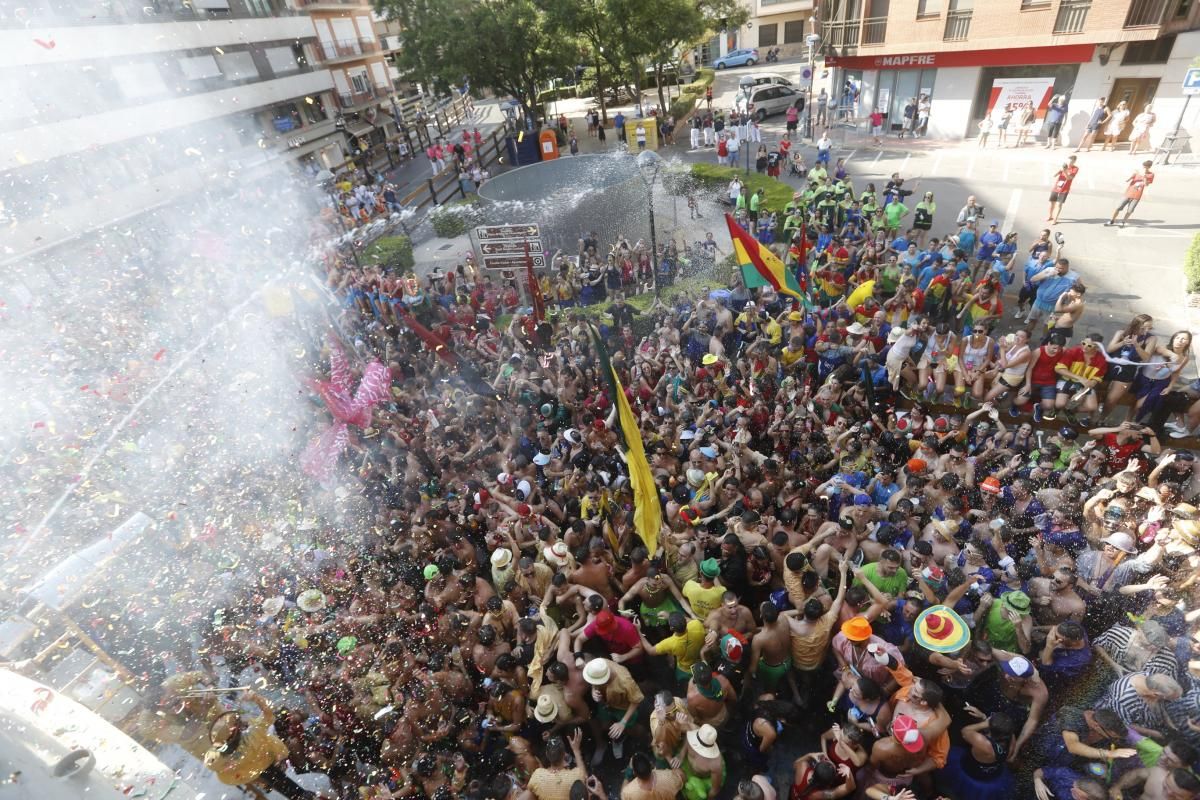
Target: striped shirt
{"points": [[1115, 642], [1130, 706]]}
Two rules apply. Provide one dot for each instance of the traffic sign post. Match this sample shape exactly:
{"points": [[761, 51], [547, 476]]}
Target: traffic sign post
{"points": [[1191, 82], [503, 247]]}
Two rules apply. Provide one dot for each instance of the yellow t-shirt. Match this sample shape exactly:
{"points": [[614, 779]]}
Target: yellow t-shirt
{"points": [[686, 646], [774, 331], [703, 600]]}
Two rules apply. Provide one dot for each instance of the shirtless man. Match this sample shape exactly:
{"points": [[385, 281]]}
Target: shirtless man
{"points": [[842, 543], [809, 634], [1054, 598], [1067, 311], [596, 574], [730, 616], [1167, 779], [658, 596], [771, 650], [710, 696], [940, 535], [1023, 696], [487, 650], [565, 684]]}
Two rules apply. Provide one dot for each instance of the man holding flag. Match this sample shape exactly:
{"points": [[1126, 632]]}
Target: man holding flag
{"points": [[760, 266]]}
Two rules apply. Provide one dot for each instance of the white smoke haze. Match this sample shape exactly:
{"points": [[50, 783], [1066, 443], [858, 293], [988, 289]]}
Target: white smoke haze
{"points": [[159, 365]]}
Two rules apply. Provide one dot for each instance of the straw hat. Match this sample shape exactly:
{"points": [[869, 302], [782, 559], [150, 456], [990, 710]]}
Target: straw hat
{"points": [[704, 741], [558, 554], [501, 558], [596, 672], [272, 606], [546, 709]]}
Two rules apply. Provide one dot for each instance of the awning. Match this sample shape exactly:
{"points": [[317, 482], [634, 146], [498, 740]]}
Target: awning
{"points": [[358, 130]]}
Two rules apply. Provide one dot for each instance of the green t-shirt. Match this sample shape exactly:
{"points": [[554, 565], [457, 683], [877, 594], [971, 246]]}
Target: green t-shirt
{"points": [[1000, 632], [894, 585], [755, 201], [893, 212]]}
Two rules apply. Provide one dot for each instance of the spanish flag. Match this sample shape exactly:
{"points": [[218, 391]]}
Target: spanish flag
{"points": [[757, 261], [647, 511]]}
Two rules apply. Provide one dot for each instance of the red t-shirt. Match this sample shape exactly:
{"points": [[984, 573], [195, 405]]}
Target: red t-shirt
{"points": [[1043, 371], [1062, 181], [622, 639], [1118, 455], [1081, 366], [1137, 184]]}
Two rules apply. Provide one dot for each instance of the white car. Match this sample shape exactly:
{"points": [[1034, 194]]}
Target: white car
{"points": [[767, 99], [760, 78]]}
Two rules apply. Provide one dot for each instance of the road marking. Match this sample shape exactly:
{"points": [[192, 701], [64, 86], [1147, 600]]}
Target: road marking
{"points": [[907, 156], [937, 162], [1140, 233], [1014, 204], [846, 160], [1006, 165], [970, 167], [877, 156]]}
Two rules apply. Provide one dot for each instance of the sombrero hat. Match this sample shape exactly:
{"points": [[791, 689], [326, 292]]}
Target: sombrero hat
{"points": [[940, 630]]}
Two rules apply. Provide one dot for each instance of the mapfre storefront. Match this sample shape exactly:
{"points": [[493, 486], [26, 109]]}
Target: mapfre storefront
{"points": [[962, 85]]}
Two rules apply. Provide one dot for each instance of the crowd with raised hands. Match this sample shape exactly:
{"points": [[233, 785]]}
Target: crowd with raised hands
{"points": [[851, 594]]}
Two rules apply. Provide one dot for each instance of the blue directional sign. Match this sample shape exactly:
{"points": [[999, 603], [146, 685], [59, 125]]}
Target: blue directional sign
{"points": [[1191, 81]]}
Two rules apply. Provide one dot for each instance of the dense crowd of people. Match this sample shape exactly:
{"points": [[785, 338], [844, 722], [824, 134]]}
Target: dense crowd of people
{"points": [[856, 591]]}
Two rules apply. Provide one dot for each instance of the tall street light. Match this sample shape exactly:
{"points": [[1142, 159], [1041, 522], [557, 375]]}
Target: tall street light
{"points": [[649, 164], [812, 40]]}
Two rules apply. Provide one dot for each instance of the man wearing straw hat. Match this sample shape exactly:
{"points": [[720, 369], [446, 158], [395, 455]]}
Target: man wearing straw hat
{"points": [[617, 697]]}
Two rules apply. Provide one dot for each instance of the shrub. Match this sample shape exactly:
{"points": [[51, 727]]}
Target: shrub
{"points": [[713, 176], [393, 252], [1191, 265], [452, 219]]}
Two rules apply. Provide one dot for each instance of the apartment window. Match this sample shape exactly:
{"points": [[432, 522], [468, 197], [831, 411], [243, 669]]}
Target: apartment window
{"points": [[793, 32], [197, 68], [285, 117], [1184, 8], [139, 80], [360, 82], [237, 66], [213, 5], [1155, 51], [1027, 5], [1072, 16], [282, 60], [928, 8], [768, 35]]}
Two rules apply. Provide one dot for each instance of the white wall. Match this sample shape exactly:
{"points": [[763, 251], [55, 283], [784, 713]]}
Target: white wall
{"points": [[1095, 81], [953, 95], [19, 47], [74, 135]]}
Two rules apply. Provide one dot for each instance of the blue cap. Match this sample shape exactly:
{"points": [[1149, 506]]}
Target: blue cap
{"points": [[862, 500]]}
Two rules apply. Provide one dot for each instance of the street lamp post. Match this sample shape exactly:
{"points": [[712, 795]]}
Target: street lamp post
{"points": [[812, 40], [649, 163]]}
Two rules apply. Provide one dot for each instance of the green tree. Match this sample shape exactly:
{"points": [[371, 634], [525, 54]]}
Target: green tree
{"points": [[510, 46]]}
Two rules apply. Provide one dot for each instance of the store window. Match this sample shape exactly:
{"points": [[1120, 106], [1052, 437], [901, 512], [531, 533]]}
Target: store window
{"points": [[793, 32], [897, 88], [768, 35], [1061, 77]]}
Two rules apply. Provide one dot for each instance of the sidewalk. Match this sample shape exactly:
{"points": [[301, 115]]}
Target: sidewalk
{"points": [[414, 172]]}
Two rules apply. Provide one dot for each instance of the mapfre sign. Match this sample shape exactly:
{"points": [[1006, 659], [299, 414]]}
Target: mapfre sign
{"points": [[929, 60], [1013, 56]]}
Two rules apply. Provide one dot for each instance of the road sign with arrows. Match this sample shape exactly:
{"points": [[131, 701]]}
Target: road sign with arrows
{"points": [[503, 247]]}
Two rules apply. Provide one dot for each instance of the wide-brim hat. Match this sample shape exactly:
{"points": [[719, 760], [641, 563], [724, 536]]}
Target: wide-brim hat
{"points": [[1018, 601], [1122, 541], [704, 741], [546, 709], [501, 558], [596, 672], [557, 554], [939, 629], [272, 606], [857, 629], [311, 600]]}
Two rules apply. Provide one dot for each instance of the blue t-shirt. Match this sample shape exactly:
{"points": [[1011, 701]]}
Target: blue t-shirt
{"points": [[1054, 287], [883, 492], [900, 244], [1033, 267], [1005, 249], [966, 241], [987, 244], [926, 276]]}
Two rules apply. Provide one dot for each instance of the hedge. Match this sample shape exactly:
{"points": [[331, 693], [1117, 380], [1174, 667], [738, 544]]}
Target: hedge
{"points": [[690, 93], [714, 176], [453, 218], [1191, 265], [393, 252]]}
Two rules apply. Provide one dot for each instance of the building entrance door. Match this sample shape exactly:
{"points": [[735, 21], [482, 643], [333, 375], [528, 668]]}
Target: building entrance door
{"points": [[1136, 92]]}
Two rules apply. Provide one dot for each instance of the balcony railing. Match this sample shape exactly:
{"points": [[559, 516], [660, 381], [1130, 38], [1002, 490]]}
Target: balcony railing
{"points": [[1072, 16], [1147, 13], [348, 100], [874, 30], [841, 34], [307, 3], [958, 25], [346, 48]]}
